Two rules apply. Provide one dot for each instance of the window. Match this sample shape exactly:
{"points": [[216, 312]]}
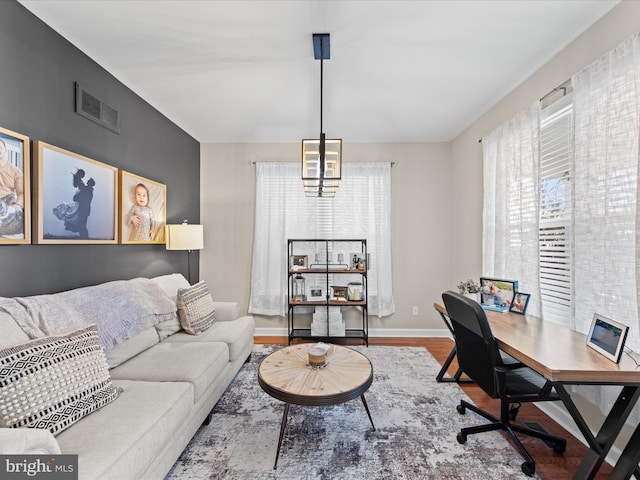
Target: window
{"points": [[360, 209]]}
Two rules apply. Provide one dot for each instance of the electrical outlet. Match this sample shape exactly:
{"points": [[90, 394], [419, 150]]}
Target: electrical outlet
{"points": [[415, 310]]}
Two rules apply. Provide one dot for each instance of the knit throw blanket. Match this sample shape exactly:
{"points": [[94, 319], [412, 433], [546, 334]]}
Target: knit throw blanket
{"points": [[120, 309]]}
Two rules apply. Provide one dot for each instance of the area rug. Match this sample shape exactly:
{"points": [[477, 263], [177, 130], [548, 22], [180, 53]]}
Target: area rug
{"points": [[415, 438]]}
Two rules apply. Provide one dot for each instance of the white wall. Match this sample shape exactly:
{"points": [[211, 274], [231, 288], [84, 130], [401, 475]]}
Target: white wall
{"points": [[420, 218]]}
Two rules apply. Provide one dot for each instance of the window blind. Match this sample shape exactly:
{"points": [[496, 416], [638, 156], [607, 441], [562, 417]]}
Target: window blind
{"points": [[556, 140]]}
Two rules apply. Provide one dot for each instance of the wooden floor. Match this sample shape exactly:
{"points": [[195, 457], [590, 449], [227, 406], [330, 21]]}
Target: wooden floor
{"points": [[549, 466]]}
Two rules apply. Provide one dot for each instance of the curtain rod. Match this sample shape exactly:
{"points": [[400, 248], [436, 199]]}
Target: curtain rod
{"points": [[565, 86], [253, 162]]}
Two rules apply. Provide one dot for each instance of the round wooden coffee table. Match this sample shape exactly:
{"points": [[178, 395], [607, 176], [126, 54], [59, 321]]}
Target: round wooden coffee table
{"points": [[287, 376]]}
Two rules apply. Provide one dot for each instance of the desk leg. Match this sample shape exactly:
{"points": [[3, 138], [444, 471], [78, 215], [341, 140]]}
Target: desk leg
{"points": [[600, 445], [627, 464], [283, 425]]}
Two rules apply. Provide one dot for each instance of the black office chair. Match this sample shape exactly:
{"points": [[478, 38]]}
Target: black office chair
{"points": [[480, 359]]}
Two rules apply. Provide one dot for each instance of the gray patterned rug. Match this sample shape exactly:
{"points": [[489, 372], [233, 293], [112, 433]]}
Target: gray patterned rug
{"points": [[416, 424]]}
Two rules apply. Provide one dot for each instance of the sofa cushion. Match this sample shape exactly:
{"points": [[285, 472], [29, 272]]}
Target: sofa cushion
{"points": [[198, 363], [123, 438], [52, 382], [195, 308], [170, 284], [236, 334], [132, 347]]}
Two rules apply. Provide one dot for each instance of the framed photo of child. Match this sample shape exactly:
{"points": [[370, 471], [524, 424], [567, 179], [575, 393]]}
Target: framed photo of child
{"points": [[15, 204], [75, 197], [519, 303], [142, 209]]}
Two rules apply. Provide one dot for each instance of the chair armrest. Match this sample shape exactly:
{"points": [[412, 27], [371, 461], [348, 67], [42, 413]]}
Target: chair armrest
{"points": [[227, 311], [27, 441]]}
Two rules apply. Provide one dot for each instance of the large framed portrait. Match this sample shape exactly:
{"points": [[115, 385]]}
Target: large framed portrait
{"points": [[142, 209], [15, 181], [75, 197]]}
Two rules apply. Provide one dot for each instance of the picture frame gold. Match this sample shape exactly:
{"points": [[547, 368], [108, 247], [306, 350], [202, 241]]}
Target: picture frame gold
{"points": [[75, 197], [150, 218], [15, 200]]}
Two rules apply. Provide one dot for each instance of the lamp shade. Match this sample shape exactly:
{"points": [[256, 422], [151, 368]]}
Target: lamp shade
{"points": [[185, 237]]}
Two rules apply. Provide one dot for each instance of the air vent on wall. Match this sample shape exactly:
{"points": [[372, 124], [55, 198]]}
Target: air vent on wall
{"points": [[91, 107]]}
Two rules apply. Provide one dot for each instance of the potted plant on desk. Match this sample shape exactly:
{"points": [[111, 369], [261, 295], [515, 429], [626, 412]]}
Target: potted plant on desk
{"points": [[470, 289]]}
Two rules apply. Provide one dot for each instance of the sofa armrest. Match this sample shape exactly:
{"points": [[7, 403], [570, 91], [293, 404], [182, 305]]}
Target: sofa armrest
{"points": [[227, 311], [27, 441]]}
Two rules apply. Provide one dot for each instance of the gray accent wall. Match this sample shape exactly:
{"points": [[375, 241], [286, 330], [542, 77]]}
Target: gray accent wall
{"points": [[38, 70]]}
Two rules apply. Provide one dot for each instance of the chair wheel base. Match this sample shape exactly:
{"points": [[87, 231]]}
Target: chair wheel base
{"points": [[462, 438], [461, 409], [529, 469]]}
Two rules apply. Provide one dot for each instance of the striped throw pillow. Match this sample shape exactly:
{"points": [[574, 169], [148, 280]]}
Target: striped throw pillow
{"points": [[53, 382], [195, 308]]}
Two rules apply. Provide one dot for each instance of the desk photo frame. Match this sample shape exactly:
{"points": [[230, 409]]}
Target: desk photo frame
{"points": [[497, 294], [607, 337]]}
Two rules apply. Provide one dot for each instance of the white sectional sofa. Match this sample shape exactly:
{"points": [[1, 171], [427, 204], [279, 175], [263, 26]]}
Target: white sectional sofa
{"points": [[168, 382]]}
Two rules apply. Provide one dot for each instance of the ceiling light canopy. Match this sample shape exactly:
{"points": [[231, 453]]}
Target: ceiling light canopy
{"points": [[321, 157]]}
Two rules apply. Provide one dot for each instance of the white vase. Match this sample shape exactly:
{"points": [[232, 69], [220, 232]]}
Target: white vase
{"points": [[472, 296]]}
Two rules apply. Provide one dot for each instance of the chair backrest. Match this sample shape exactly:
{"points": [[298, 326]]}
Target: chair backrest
{"points": [[477, 350]]}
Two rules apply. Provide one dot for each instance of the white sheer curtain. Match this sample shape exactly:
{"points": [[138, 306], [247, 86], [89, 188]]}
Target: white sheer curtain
{"points": [[360, 209], [511, 199], [605, 214]]}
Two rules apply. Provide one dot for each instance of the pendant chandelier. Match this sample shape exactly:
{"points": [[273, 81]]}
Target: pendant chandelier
{"points": [[321, 157]]}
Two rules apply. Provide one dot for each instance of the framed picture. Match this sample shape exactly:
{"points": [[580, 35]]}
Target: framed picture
{"points": [[299, 262], [607, 337], [496, 293], [339, 293], [520, 303], [316, 294], [15, 181], [142, 209], [357, 261], [75, 197]]}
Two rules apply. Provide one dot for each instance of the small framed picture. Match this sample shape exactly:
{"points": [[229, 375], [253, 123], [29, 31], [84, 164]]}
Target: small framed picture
{"points": [[339, 293], [142, 209], [316, 294], [299, 262], [75, 197], [15, 181], [520, 303]]}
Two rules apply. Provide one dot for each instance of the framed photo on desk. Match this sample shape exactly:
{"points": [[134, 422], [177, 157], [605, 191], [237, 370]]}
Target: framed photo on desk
{"points": [[607, 337], [520, 303], [497, 294]]}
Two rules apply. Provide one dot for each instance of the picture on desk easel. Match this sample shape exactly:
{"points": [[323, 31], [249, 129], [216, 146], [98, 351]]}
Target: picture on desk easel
{"points": [[497, 294], [520, 303]]}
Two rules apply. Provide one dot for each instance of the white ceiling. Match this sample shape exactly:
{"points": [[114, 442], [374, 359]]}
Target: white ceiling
{"points": [[243, 71]]}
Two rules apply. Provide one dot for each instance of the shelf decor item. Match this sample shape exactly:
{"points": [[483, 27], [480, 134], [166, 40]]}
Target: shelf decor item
{"points": [[298, 289], [355, 291]]}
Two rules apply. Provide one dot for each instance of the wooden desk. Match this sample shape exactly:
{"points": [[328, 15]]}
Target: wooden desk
{"points": [[562, 356]]}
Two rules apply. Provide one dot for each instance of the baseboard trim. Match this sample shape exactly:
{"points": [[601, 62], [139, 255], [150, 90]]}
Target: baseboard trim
{"points": [[373, 332]]}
